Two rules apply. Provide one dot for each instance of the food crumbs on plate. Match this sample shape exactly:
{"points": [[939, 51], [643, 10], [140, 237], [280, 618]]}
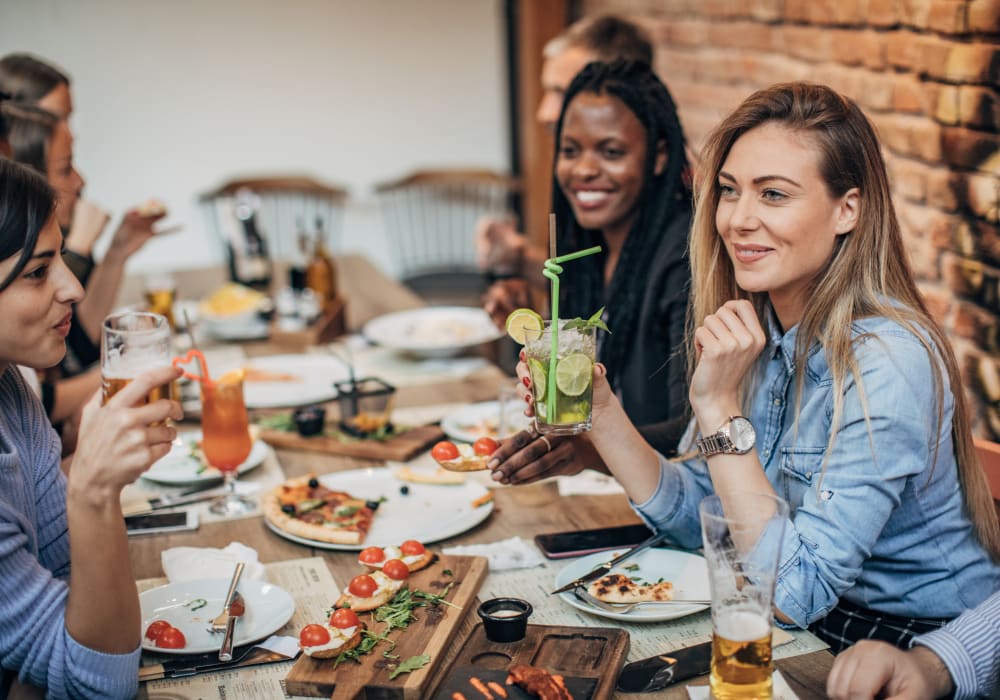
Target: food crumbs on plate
{"points": [[497, 688], [481, 687], [482, 500]]}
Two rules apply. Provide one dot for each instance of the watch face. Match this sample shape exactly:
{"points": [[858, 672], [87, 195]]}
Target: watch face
{"points": [[742, 434]]}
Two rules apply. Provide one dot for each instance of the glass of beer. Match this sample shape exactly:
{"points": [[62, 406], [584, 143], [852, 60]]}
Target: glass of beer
{"points": [[132, 343], [225, 439], [742, 534], [161, 292]]}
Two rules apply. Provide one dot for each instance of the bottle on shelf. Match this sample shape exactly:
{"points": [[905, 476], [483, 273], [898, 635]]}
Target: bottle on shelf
{"points": [[249, 263], [321, 275], [300, 257]]}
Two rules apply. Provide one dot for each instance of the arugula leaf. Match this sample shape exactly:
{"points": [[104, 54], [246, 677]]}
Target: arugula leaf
{"points": [[411, 664]]}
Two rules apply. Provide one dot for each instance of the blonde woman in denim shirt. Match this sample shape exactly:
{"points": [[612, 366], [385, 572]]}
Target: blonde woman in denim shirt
{"points": [[809, 323]]}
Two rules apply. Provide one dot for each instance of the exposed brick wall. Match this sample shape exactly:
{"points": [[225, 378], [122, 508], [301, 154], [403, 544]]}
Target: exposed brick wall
{"points": [[927, 72]]}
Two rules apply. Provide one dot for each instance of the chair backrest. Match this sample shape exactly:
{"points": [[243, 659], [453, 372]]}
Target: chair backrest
{"points": [[285, 201], [989, 458], [429, 218]]}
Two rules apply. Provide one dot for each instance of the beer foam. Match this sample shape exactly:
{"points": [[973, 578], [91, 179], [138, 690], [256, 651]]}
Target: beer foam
{"points": [[742, 626]]}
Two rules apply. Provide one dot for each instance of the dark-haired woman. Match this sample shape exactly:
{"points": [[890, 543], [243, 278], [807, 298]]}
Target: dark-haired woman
{"points": [[69, 609], [619, 183]]}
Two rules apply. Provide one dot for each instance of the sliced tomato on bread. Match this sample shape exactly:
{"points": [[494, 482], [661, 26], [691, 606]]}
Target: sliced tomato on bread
{"points": [[327, 641], [361, 596], [411, 552]]}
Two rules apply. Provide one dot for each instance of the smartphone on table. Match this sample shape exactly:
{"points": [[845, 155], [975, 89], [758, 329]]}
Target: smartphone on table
{"points": [[152, 523], [575, 543]]}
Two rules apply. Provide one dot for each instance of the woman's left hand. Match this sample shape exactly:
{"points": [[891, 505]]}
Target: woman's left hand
{"points": [[728, 343]]}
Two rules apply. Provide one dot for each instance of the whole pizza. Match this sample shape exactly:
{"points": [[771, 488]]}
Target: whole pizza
{"points": [[304, 507]]}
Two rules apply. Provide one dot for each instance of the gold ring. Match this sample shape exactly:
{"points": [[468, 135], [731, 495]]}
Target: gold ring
{"points": [[546, 441]]}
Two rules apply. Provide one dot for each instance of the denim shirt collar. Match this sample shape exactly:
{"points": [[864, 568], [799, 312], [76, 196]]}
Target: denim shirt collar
{"points": [[782, 343]]}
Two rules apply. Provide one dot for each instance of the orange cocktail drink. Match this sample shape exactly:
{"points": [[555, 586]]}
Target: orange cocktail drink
{"points": [[225, 426]]}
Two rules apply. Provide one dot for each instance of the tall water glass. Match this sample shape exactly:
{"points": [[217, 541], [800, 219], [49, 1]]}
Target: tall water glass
{"points": [[132, 343], [563, 400], [742, 534]]}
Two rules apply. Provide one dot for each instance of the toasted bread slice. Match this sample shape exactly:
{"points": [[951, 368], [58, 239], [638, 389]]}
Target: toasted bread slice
{"points": [[353, 641]]}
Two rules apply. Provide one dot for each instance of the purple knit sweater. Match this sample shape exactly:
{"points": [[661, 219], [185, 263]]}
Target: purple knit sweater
{"points": [[34, 562]]}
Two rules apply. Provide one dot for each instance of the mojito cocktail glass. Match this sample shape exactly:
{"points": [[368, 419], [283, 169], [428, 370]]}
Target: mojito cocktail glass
{"points": [[563, 396]]}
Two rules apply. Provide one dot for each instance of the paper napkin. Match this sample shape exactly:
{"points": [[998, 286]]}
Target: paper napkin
{"points": [[588, 483], [189, 563], [504, 555]]}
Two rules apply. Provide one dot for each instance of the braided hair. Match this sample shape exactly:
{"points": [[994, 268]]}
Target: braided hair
{"points": [[662, 198]]}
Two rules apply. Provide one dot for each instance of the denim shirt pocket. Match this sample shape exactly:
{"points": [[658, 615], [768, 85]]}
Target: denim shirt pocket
{"points": [[799, 466]]}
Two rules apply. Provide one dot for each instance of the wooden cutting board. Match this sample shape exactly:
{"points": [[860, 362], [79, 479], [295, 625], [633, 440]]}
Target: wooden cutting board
{"points": [[432, 634], [589, 659], [401, 448]]}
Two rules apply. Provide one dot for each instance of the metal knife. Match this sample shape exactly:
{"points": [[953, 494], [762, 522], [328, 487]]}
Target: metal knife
{"points": [[236, 610], [657, 672], [601, 570], [201, 493]]}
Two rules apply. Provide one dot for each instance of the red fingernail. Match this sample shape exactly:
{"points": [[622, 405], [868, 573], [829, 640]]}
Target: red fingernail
{"points": [[526, 381], [522, 356]]}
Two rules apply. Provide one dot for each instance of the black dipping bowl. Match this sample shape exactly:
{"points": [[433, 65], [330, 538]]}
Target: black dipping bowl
{"points": [[309, 420], [505, 619]]}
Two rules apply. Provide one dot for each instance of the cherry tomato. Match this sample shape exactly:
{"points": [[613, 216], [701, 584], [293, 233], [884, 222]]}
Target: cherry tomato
{"points": [[343, 618], [444, 451], [485, 446], [411, 548], [171, 638], [396, 569], [156, 628], [362, 586], [371, 555], [314, 636]]}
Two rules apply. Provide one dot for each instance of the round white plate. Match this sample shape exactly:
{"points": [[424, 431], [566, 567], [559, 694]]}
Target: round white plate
{"points": [[469, 423], [268, 608], [428, 513], [688, 572], [436, 331], [179, 467], [313, 383]]}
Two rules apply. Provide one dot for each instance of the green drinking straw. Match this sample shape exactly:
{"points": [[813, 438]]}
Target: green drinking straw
{"points": [[552, 271]]}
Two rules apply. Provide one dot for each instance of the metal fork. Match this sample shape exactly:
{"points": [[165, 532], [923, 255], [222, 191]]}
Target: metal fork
{"points": [[621, 608]]}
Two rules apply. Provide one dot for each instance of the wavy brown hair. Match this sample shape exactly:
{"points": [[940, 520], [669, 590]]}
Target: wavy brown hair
{"points": [[867, 275]]}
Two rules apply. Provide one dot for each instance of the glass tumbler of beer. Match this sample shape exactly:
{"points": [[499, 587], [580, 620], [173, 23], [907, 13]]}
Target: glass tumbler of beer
{"points": [[161, 292], [132, 343], [742, 534]]}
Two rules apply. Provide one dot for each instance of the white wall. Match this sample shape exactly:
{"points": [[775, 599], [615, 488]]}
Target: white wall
{"points": [[175, 96]]}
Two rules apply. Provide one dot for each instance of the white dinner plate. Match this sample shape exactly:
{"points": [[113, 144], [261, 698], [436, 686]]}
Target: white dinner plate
{"points": [[476, 420], [688, 572], [314, 376], [268, 608], [179, 467], [435, 331], [428, 512]]}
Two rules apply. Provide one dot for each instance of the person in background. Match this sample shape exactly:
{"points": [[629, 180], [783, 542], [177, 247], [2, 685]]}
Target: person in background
{"points": [[960, 659], [64, 565], [820, 377], [618, 183]]}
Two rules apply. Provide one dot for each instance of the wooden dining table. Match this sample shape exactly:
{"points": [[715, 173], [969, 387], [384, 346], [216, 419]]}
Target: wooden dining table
{"points": [[520, 511]]}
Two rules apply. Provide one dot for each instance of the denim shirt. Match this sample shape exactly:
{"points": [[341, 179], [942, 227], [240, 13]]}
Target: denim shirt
{"points": [[881, 525]]}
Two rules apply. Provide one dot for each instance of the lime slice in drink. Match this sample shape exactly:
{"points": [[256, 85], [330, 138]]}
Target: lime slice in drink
{"points": [[573, 374], [538, 380], [521, 322]]}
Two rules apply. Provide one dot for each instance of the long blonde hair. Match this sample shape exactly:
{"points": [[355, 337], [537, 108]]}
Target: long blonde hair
{"points": [[867, 275]]}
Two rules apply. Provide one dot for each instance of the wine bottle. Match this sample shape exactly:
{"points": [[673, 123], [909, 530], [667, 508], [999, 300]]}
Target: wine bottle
{"points": [[249, 263]]}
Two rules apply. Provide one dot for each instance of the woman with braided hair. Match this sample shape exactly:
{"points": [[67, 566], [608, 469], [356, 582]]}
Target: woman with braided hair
{"points": [[619, 182]]}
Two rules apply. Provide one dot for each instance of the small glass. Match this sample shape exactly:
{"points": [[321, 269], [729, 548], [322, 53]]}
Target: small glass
{"points": [[365, 406], [161, 293], [225, 438], [562, 403], [133, 343], [742, 534]]}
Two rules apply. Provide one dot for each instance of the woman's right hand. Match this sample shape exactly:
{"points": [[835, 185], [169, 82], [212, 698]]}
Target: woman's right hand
{"points": [[121, 439], [89, 222]]}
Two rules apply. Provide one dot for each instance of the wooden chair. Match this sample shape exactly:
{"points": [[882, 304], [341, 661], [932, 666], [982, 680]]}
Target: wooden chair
{"points": [[285, 201], [429, 218], [989, 458]]}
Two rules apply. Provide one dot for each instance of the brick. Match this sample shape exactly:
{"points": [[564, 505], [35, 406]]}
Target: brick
{"points": [[968, 63], [973, 323], [855, 47], [944, 101], [982, 196], [913, 13], [979, 107], [688, 32], [809, 43], [948, 16], [706, 96], [742, 35], [922, 257], [876, 91], [721, 8], [766, 69], [848, 12], [671, 62], [982, 241], [882, 13], [847, 81], [908, 95], [966, 148], [797, 10], [902, 49], [984, 16], [766, 10], [938, 302], [932, 55], [721, 66], [909, 135], [822, 12], [908, 179], [942, 188]]}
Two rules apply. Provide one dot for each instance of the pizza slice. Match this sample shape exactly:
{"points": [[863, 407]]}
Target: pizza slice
{"points": [[305, 508], [619, 588], [411, 553]]}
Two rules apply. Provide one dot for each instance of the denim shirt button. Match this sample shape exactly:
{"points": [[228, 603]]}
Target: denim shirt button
{"points": [[809, 475], [777, 401]]}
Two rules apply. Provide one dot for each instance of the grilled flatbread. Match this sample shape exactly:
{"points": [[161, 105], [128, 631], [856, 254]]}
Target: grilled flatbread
{"points": [[619, 588]]}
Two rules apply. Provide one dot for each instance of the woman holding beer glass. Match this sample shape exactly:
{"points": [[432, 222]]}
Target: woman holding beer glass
{"points": [[70, 609], [809, 324]]}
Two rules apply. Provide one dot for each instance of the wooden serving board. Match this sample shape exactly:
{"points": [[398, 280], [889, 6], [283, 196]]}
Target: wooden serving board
{"points": [[401, 448], [589, 659], [432, 633]]}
